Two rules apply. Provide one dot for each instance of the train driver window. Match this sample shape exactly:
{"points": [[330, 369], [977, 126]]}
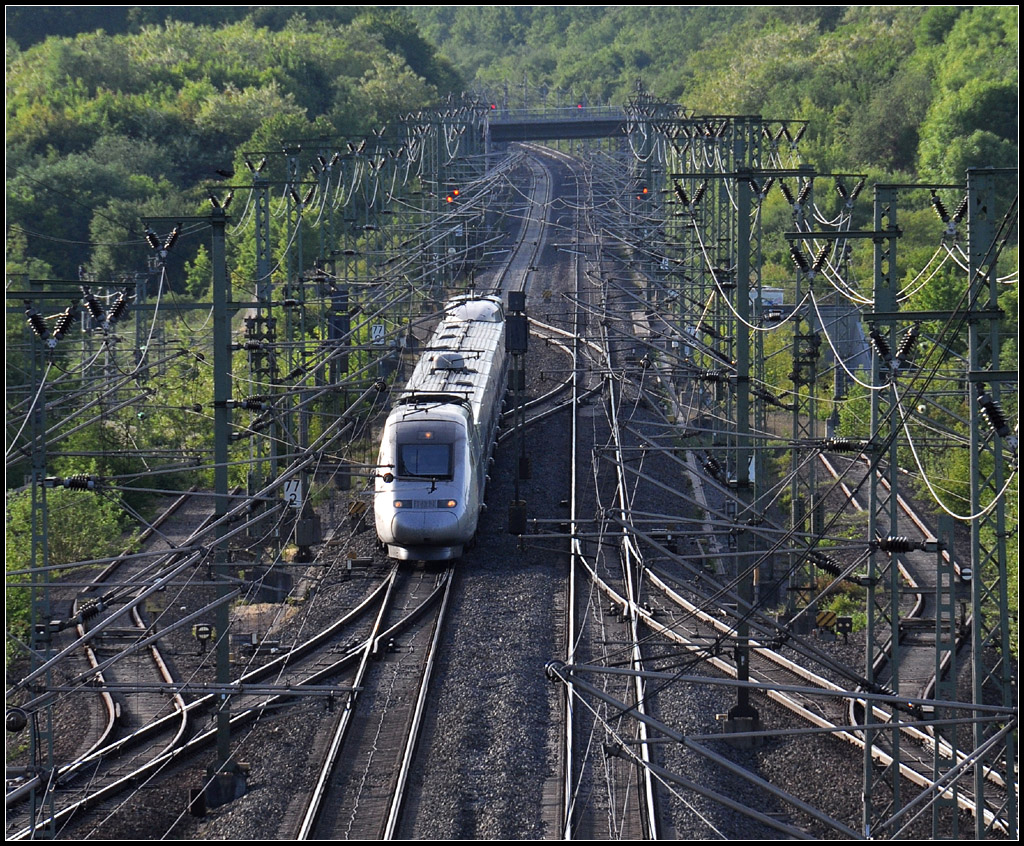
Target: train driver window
{"points": [[428, 460]]}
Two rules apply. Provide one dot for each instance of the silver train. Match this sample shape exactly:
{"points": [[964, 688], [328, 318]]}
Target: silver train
{"points": [[438, 438]]}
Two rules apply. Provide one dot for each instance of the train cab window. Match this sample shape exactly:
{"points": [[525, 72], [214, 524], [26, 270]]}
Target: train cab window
{"points": [[432, 461]]}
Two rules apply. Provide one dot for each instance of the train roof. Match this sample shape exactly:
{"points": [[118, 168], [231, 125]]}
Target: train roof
{"points": [[457, 362]]}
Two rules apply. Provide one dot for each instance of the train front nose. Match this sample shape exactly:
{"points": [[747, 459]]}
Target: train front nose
{"points": [[425, 527]]}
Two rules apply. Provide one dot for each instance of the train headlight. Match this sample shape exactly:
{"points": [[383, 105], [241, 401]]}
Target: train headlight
{"points": [[451, 503], [398, 503]]}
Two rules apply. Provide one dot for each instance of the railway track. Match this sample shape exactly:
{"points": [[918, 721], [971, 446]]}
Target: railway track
{"points": [[360, 791], [131, 688], [624, 756], [322, 666], [706, 624]]}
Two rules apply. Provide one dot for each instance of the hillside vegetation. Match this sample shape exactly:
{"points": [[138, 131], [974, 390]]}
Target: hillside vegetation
{"points": [[920, 90], [103, 128], [116, 112]]}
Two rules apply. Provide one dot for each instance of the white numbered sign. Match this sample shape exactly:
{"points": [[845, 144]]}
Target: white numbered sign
{"points": [[293, 493]]}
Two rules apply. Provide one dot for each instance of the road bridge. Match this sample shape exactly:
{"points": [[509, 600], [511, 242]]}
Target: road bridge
{"points": [[504, 125]]}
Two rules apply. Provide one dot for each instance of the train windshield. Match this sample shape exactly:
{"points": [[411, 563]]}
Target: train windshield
{"points": [[432, 461]]}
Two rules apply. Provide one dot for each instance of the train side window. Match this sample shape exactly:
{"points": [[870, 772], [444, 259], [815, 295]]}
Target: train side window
{"points": [[427, 460]]}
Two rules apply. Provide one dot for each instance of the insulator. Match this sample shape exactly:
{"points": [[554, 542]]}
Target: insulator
{"points": [[769, 397], [994, 415], [824, 562], [295, 196], [36, 322], [710, 330], [766, 187], [309, 195], [718, 376], [845, 445], [897, 544], [80, 483], [798, 258], [228, 199], [252, 346], [940, 208], [172, 239], [800, 134], [295, 374], [961, 210], [255, 403], [680, 193], [841, 189], [152, 240], [907, 343], [91, 305], [881, 345], [64, 321], [857, 189], [701, 191], [819, 261], [787, 193], [119, 308], [804, 194], [712, 467]]}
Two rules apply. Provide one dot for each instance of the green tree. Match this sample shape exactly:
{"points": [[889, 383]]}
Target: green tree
{"points": [[199, 275], [81, 526]]}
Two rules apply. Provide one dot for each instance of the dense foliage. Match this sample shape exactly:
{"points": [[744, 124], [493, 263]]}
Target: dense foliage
{"points": [[128, 107], [118, 113], [914, 89], [104, 128]]}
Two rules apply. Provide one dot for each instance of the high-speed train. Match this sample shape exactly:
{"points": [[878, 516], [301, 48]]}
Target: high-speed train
{"points": [[438, 438]]}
